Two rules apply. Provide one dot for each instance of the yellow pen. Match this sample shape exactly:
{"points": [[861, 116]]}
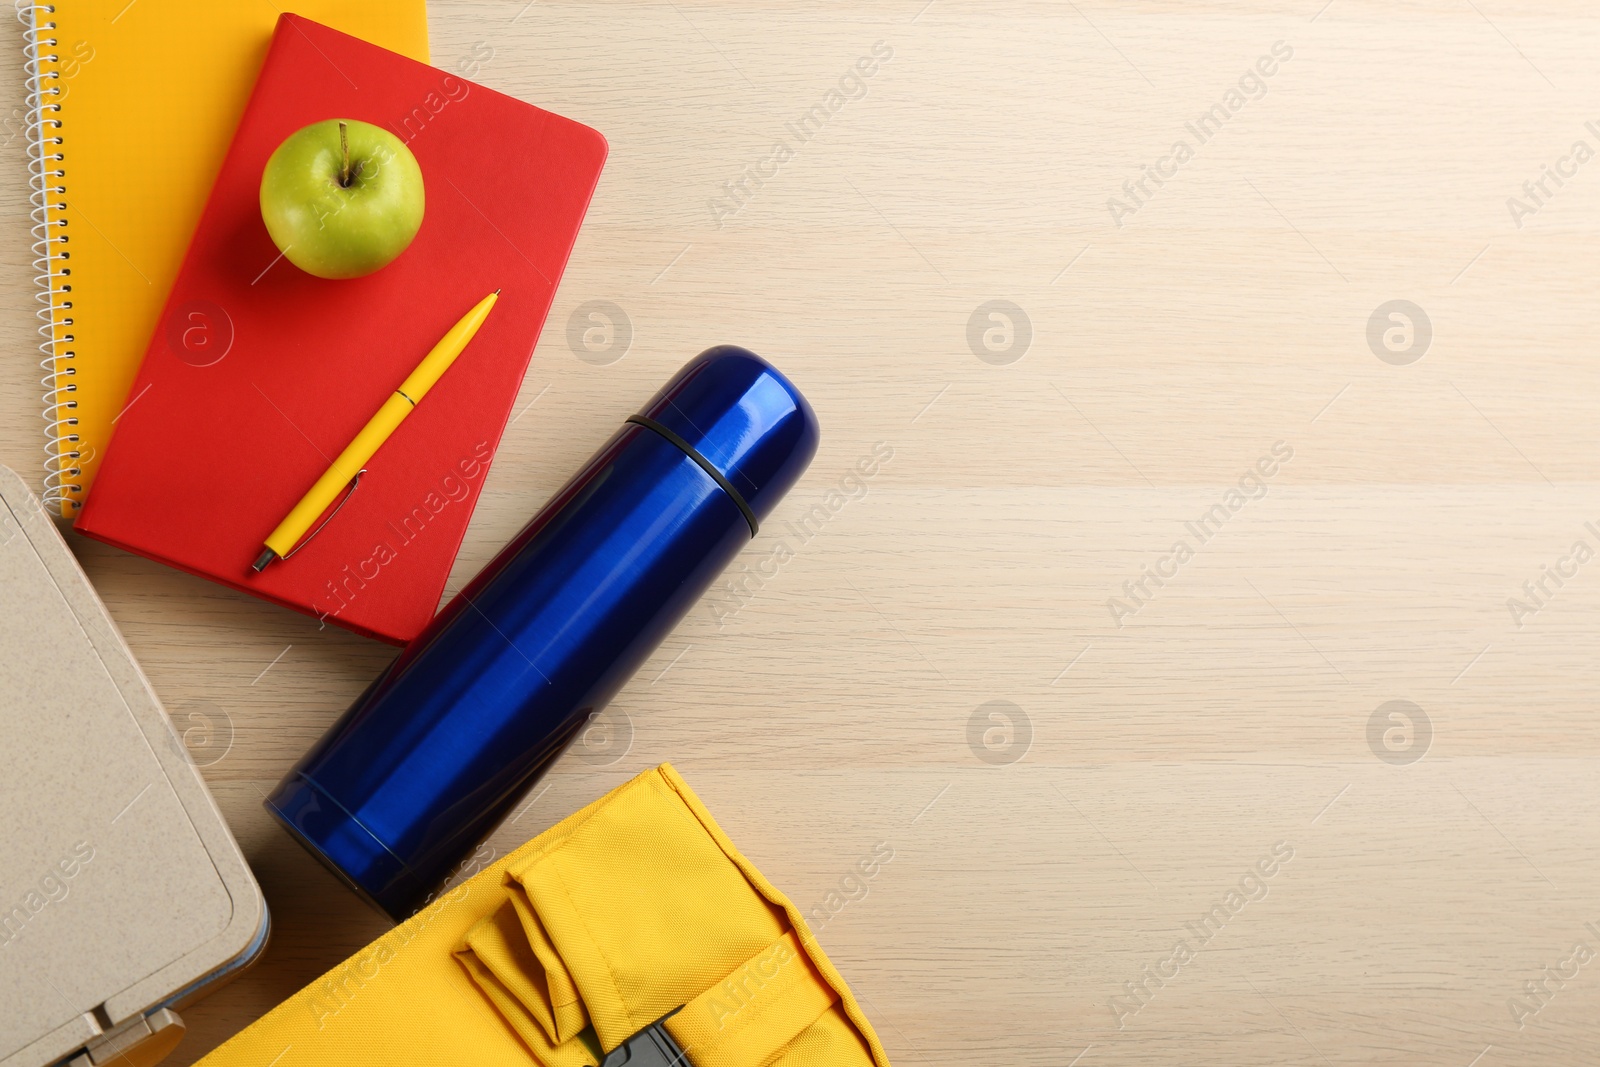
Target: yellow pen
{"points": [[348, 467]]}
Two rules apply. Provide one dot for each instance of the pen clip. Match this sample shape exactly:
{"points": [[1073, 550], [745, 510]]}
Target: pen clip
{"points": [[355, 483]]}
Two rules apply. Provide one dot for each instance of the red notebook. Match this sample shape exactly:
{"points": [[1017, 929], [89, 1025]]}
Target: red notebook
{"points": [[258, 374]]}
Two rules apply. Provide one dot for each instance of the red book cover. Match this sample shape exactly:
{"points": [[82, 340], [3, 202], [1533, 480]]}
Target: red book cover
{"points": [[259, 374]]}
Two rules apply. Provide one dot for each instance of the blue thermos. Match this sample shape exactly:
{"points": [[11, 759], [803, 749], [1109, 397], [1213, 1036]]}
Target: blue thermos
{"points": [[429, 759]]}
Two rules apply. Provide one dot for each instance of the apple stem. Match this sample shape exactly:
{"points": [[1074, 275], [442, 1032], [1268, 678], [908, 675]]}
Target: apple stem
{"points": [[344, 146]]}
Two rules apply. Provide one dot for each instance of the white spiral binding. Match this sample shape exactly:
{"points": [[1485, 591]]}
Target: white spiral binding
{"points": [[47, 177]]}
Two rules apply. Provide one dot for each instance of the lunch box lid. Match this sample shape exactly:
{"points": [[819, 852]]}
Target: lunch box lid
{"points": [[122, 892]]}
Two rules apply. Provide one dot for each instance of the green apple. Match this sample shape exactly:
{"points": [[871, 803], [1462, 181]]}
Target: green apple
{"points": [[342, 198]]}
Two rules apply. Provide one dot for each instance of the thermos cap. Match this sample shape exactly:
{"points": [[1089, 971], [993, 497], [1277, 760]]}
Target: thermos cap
{"points": [[745, 418]]}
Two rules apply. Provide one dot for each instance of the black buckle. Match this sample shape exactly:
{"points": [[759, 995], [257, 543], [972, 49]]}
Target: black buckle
{"points": [[650, 1047]]}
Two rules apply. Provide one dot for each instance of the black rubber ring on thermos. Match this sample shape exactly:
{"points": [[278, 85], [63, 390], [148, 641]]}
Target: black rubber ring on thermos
{"points": [[705, 464]]}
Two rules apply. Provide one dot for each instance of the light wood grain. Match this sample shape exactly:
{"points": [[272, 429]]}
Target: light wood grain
{"points": [[1170, 753]]}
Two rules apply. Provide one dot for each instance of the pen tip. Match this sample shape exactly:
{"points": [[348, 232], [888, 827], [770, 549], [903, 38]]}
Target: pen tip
{"points": [[266, 557], [497, 292]]}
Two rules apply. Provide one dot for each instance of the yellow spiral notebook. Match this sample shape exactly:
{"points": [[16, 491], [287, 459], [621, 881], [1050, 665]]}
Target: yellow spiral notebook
{"points": [[131, 107]]}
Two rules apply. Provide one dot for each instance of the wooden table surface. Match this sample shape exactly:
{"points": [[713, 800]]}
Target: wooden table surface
{"points": [[1202, 378]]}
